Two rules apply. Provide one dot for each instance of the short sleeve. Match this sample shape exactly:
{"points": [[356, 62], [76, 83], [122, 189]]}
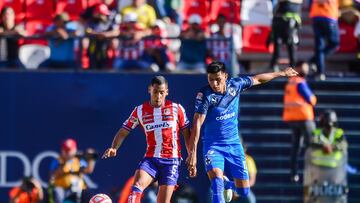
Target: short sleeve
{"points": [[182, 118], [71, 27], [201, 103], [83, 163], [244, 82], [132, 121], [304, 90], [50, 28]]}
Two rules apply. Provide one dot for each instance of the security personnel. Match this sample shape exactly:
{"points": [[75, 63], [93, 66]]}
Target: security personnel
{"points": [[285, 26], [325, 175], [299, 102], [329, 141]]}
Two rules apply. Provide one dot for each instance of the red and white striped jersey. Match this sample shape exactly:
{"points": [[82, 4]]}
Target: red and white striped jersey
{"points": [[161, 126]]}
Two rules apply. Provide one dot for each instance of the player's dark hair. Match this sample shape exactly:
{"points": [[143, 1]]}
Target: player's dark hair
{"points": [[215, 67], [299, 63], [159, 80]]}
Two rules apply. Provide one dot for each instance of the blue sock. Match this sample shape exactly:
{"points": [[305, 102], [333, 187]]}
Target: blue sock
{"points": [[229, 185], [217, 186], [243, 191]]}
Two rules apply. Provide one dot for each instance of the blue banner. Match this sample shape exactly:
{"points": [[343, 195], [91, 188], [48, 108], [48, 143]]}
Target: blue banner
{"points": [[38, 110]]}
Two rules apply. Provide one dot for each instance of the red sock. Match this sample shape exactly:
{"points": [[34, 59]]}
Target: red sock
{"points": [[135, 195]]}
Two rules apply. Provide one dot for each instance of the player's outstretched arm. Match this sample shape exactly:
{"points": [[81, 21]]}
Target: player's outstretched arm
{"points": [[194, 139], [118, 140], [265, 77]]}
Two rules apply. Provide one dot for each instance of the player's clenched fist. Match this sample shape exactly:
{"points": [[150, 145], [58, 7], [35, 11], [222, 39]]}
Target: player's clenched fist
{"points": [[191, 164], [110, 152], [192, 172]]}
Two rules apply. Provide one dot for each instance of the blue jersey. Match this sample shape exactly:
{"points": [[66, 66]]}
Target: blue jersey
{"points": [[222, 111]]}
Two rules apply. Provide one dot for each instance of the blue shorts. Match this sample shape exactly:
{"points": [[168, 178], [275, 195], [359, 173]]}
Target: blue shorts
{"points": [[217, 156], [165, 171]]}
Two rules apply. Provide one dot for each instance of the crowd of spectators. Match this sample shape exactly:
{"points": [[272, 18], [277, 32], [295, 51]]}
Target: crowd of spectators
{"points": [[166, 35], [127, 35]]}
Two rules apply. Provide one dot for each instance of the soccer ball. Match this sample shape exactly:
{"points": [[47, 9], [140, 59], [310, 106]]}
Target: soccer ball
{"points": [[100, 198]]}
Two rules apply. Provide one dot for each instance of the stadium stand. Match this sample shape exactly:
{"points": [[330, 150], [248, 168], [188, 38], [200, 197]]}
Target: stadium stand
{"points": [[73, 7], [39, 9], [229, 8], [92, 2], [196, 7], [269, 139], [36, 28], [255, 38]]}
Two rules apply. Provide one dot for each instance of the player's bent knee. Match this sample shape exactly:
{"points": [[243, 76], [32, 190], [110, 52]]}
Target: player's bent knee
{"points": [[243, 192]]}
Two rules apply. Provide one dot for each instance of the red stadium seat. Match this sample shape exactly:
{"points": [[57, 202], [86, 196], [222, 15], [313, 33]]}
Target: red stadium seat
{"points": [[36, 28], [255, 38], [17, 5], [200, 7], [229, 8], [73, 7], [348, 42], [40, 9], [93, 2]]}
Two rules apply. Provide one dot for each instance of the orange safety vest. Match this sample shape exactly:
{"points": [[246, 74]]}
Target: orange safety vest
{"points": [[24, 197], [295, 106], [325, 8]]}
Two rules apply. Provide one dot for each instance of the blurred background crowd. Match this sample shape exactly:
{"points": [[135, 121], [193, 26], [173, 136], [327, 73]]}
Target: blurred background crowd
{"points": [[176, 35]]}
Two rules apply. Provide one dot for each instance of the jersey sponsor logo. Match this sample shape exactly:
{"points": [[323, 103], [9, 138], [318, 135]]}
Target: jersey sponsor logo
{"points": [[207, 160], [226, 116], [147, 118], [154, 126]]}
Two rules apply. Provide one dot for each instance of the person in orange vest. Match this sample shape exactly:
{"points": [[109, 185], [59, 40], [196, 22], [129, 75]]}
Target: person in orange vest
{"points": [[299, 102], [324, 15], [30, 191]]}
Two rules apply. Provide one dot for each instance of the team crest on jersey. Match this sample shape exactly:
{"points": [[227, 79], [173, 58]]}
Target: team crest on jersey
{"points": [[214, 100], [199, 96], [167, 112], [232, 91]]}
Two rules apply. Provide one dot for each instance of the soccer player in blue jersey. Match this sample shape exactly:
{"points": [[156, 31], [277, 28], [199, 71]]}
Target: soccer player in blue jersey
{"points": [[216, 116]]}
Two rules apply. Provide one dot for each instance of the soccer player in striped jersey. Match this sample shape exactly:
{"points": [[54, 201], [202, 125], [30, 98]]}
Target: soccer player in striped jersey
{"points": [[162, 121], [216, 116]]}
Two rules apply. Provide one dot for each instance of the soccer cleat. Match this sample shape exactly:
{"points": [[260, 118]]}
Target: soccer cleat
{"points": [[228, 193]]}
